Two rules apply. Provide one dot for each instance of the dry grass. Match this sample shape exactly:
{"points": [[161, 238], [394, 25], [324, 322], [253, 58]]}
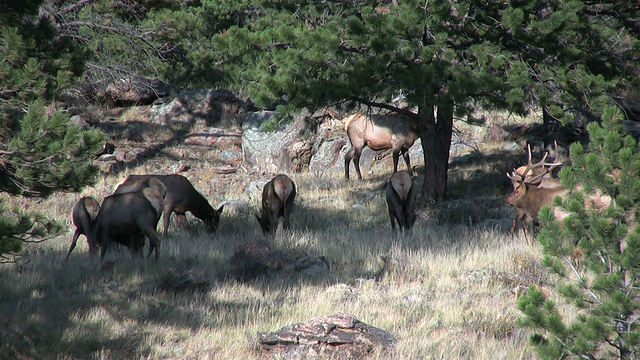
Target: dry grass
{"points": [[447, 291]]}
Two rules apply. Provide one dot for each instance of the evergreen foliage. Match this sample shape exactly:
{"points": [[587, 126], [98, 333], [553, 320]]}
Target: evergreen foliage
{"points": [[593, 251], [41, 152], [436, 58]]}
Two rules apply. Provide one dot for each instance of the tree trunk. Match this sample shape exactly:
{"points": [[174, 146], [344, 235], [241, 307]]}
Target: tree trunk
{"points": [[436, 132]]}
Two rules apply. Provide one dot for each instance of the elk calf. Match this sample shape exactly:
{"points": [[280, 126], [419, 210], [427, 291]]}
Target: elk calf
{"points": [[127, 217], [181, 197], [401, 200], [379, 132], [84, 213], [277, 201]]}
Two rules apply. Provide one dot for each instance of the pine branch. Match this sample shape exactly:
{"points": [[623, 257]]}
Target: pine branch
{"points": [[579, 278]]}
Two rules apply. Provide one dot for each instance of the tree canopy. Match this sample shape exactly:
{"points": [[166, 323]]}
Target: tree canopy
{"points": [[568, 58], [41, 152]]}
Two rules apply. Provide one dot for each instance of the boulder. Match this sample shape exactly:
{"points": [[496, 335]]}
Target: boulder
{"points": [[213, 107], [274, 151], [128, 91], [337, 336]]}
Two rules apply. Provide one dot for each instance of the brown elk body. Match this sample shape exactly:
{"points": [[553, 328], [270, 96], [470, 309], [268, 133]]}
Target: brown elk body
{"points": [[128, 217], [83, 215], [534, 175], [379, 132], [401, 200], [181, 198], [529, 199], [278, 196], [533, 188]]}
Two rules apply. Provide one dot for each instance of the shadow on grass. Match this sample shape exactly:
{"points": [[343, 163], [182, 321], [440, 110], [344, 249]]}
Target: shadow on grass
{"points": [[53, 309]]}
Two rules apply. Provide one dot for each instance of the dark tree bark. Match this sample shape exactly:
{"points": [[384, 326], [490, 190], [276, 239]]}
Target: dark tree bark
{"points": [[436, 131]]}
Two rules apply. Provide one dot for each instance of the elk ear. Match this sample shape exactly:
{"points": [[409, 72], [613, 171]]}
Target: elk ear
{"points": [[219, 211]]}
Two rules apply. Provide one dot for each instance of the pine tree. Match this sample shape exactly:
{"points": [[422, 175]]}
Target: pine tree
{"points": [[594, 252], [441, 58], [41, 152]]}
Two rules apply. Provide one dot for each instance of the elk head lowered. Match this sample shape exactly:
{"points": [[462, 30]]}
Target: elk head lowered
{"points": [[181, 197], [84, 213], [278, 196], [401, 200], [528, 197], [379, 132]]}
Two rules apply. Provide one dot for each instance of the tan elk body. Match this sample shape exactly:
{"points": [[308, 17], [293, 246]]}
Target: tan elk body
{"points": [[128, 217], [181, 197], [278, 196], [83, 215], [401, 200], [379, 132]]}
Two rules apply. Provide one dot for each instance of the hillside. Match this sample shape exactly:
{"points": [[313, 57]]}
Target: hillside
{"points": [[449, 288]]}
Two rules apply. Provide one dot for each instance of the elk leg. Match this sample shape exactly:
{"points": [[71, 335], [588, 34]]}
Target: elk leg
{"points": [[73, 243], [182, 219], [154, 242], [356, 162], [393, 219], [407, 161], [518, 220], [104, 241], [396, 156], [347, 159], [168, 208], [288, 207], [136, 245]]}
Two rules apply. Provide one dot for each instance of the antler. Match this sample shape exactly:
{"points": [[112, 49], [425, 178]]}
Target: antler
{"points": [[547, 167]]}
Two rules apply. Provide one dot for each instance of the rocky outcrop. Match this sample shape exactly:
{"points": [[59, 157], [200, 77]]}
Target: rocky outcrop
{"points": [[337, 336]]}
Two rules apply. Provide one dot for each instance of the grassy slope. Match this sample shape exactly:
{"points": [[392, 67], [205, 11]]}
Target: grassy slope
{"points": [[447, 291]]}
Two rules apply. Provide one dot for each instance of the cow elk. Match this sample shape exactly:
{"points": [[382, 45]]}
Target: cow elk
{"points": [[278, 196], [181, 198], [379, 132], [128, 217], [84, 213], [401, 200], [529, 195]]}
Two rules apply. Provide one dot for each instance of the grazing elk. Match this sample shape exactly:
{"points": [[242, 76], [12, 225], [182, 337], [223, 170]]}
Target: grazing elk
{"points": [[528, 196], [127, 218], [181, 197], [84, 213], [277, 201], [379, 132], [401, 200]]}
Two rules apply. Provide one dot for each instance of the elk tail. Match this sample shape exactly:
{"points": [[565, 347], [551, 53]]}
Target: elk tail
{"points": [[401, 188], [284, 191], [92, 210]]}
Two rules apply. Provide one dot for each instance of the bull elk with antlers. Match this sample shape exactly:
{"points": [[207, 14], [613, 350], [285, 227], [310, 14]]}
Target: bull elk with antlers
{"points": [[533, 188]]}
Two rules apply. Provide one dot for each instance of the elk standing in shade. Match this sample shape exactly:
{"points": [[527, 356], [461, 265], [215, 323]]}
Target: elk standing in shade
{"points": [[379, 132], [181, 197], [84, 213], [278, 196], [401, 200], [127, 217]]}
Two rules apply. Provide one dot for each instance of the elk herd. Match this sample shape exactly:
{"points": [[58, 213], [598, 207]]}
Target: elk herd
{"points": [[133, 211]]}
